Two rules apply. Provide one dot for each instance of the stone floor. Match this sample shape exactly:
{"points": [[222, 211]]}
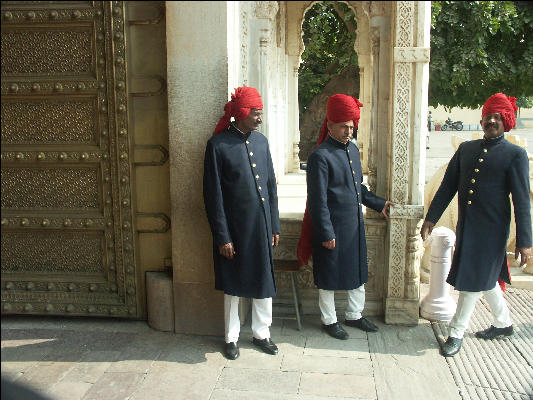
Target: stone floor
{"points": [[115, 359]]}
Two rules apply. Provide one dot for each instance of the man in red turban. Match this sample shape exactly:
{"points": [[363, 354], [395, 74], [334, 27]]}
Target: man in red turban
{"points": [[484, 173], [333, 226], [242, 208], [242, 102]]}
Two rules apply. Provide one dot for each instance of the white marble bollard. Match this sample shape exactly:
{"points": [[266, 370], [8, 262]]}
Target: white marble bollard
{"points": [[438, 304]]}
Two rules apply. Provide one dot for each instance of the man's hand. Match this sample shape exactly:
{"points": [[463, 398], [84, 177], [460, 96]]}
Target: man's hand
{"points": [[330, 244], [525, 254], [275, 239], [426, 229], [385, 210], [227, 250]]}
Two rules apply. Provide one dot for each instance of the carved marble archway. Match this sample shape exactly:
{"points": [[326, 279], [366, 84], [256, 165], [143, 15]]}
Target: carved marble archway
{"points": [[393, 48]]}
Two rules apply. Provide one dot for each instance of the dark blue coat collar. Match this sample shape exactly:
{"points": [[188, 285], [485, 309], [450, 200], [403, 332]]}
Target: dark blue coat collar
{"points": [[236, 131], [492, 142], [336, 143]]}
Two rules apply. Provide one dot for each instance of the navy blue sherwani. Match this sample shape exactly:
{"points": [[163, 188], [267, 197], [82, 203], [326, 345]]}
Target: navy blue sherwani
{"points": [[484, 173], [335, 195], [241, 202]]}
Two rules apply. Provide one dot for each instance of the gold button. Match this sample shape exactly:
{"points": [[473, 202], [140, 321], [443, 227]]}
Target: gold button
{"points": [[259, 187], [353, 172], [480, 160], [262, 198], [484, 150], [469, 202], [473, 180], [348, 150], [247, 142], [470, 191], [257, 177], [476, 170], [254, 165], [350, 161], [251, 153], [359, 193], [359, 203]]}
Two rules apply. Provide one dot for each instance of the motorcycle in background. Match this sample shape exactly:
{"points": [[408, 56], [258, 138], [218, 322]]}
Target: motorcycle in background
{"points": [[457, 125]]}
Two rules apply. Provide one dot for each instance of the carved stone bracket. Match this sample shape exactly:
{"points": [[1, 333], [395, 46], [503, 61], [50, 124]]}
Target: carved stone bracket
{"points": [[266, 9], [412, 54], [407, 211]]}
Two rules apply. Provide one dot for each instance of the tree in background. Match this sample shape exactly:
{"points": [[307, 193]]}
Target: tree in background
{"points": [[479, 48], [329, 32]]}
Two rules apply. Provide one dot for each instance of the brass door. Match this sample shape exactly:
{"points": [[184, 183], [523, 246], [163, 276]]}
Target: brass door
{"points": [[74, 153]]}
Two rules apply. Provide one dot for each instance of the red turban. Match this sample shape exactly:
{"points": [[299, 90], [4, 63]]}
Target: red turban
{"points": [[506, 106], [340, 108], [242, 101]]}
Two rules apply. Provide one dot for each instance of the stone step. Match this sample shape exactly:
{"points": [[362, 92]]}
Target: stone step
{"points": [[291, 205], [294, 178], [521, 280], [298, 191]]}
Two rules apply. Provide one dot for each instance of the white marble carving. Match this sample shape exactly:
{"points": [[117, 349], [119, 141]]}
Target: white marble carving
{"points": [[411, 54]]}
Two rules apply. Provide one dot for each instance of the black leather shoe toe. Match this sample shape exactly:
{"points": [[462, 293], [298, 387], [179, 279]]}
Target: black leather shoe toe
{"points": [[451, 347], [231, 351], [266, 345], [336, 330], [362, 323], [493, 332]]}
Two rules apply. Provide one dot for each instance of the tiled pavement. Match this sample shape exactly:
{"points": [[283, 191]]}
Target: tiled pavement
{"points": [[101, 359], [111, 359]]}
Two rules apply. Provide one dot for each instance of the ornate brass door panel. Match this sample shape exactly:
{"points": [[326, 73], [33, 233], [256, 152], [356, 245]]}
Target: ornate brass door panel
{"points": [[69, 239]]}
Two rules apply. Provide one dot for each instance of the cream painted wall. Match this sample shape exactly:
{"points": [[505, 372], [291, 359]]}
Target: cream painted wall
{"points": [[198, 75]]}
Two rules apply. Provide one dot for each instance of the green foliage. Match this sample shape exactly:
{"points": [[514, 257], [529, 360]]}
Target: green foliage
{"points": [[524, 102], [329, 47], [479, 48]]}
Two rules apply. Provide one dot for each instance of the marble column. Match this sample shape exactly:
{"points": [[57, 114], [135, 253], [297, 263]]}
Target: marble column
{"points": [[411, 48]]}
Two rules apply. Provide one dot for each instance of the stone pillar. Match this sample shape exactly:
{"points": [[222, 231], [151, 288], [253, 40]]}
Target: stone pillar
{"points": [[268, 74], [411, 46], [192, 117], [438, 304], [363, 49], [372, 139], [293, 163]]}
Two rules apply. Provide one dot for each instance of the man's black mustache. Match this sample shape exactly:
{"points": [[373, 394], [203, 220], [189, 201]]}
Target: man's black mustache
{"points": [[491, 126]]}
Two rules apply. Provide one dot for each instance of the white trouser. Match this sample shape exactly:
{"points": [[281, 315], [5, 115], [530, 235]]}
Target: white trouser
{"points": [[467, 303], [326, 302], [261, 318]]}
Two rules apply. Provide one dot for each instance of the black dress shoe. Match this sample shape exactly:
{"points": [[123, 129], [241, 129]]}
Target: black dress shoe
{"points": [[336, 330], [362, 323], [231, 351], [494, 332], [451, 347], [266, 345]]}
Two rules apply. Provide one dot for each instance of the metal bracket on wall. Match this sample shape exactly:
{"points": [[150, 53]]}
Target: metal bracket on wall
{"points": [[152, 222], [148, 155]]}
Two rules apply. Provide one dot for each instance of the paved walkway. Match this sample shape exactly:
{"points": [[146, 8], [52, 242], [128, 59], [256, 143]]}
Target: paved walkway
{"points": [[115, 359]]}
